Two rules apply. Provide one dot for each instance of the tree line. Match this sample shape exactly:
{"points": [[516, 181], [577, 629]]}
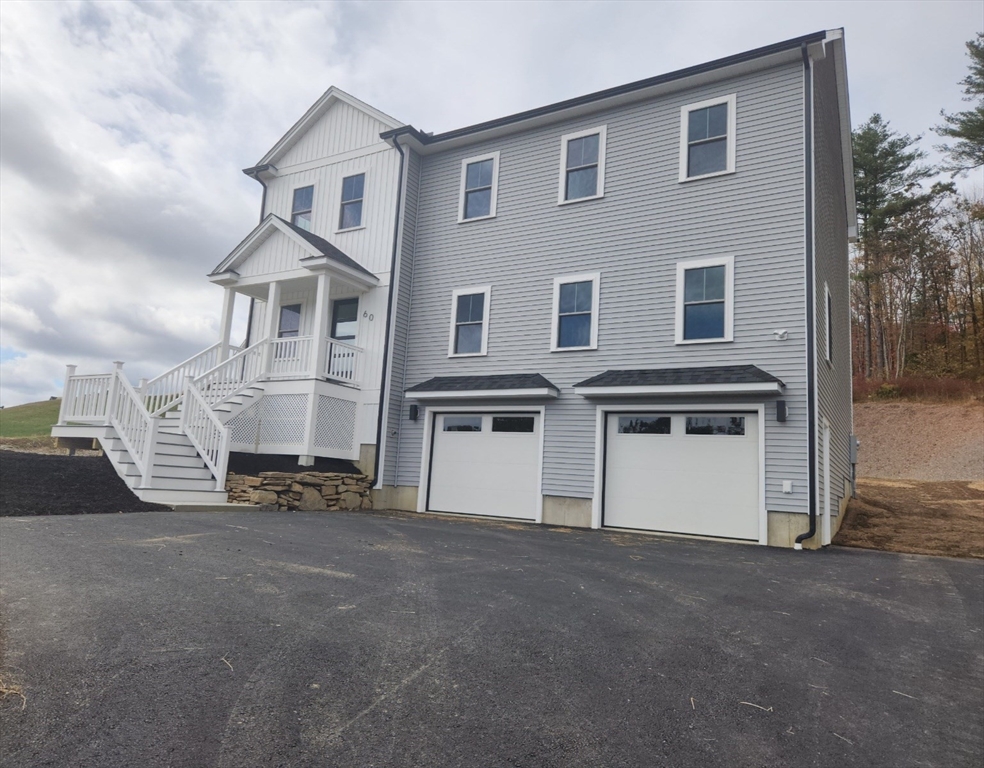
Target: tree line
{"points": [[917, 272]]}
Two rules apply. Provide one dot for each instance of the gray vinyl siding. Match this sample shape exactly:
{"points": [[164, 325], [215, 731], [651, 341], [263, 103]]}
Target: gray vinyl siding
{"points": [[401, 318], [833, 379], [634, 236]]}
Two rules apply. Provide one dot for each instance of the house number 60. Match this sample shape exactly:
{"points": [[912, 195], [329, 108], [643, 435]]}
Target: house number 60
{"points": [[366, 314]]}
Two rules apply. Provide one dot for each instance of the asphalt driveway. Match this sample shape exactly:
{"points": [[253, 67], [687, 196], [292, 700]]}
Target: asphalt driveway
{"points": [[264, 639]]}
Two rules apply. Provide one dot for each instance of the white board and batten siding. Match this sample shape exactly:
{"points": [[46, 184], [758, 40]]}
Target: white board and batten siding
{"points": [[634, 236]]}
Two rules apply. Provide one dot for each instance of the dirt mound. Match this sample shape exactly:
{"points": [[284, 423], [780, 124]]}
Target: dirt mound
{"points": [[925, 518], [920, 441], [39, 484]]}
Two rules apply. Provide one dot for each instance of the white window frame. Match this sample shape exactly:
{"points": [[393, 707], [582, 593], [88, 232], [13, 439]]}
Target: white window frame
{"points": [[828, 325], [602, 132], [365, 184], [729, 297], [494, 157], [487, 291], [730, 100], [290, 216], [595, 279]]}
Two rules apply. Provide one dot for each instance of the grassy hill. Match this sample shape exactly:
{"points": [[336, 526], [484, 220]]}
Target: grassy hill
{"points": [[29, 420]]}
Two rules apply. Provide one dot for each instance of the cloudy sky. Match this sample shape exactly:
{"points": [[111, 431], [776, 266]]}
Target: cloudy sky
{"points": [[124, 128]]}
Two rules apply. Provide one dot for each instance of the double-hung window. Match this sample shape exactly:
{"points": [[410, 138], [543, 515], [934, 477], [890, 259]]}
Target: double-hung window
{"points": [[707, 138], [704, 300], [300, 209], [575, 312], [479, 187], [469, 322], [353, 190], [344, 319], [582, 165], [290, 321]]}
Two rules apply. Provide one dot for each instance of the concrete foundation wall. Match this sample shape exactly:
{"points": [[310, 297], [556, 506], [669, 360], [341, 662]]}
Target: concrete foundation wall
{"points": [[568, 511], [402, 497]]}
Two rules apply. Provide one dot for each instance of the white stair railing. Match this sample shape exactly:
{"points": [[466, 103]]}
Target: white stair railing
{"points": [[228, 378], [203, 428], [342, 361], [164, 392], [136, 428]]}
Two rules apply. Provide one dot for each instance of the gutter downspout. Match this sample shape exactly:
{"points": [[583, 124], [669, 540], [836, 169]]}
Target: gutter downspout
{"points": [[383, 393], [252, 302], [811, 336]]}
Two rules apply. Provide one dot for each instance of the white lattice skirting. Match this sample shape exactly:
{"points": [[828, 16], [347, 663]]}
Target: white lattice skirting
{"points": [[275, 419], [335, 428]]}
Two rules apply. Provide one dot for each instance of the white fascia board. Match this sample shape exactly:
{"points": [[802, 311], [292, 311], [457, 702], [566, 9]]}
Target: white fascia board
{"points": [[483, 394], [255, 238], [321, 263], [835, 37], [764, 387], [229, 277]]}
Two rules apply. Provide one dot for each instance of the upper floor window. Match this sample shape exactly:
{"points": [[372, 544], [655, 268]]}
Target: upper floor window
{"points": [[575, 313], [290, 321], [300, 209], [704, 311], [479, 185], [344, 319], [582, 165], [353, 189], [469, 324], [707, 138]]}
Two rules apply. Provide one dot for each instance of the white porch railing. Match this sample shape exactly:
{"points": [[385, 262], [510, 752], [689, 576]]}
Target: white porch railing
{"points": [[85, 398], [291, 358], [165, 391], [342, 361], [209, 435]]}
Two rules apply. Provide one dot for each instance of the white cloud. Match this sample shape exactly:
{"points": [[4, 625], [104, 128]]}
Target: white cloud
{"points": [[125, 126]]}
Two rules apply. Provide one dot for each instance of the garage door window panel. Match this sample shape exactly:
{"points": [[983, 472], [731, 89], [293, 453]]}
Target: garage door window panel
{"points": [[644, 425], [516, 424], [715, 425], [462, 423]]}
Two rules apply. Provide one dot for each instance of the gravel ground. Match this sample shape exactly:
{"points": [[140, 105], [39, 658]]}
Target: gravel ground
{"points": [[920, 441], [43, 484]]}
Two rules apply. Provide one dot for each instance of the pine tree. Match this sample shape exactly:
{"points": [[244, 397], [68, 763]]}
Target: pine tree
{"points": [[967, 127]]}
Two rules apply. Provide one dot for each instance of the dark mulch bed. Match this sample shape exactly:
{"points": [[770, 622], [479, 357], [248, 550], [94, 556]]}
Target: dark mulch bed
{"points": [[42, 484], [254, 463]]}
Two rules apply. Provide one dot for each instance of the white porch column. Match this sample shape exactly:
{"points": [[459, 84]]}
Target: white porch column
{"points": [[225, 328], [272, 323], [321, 324]]}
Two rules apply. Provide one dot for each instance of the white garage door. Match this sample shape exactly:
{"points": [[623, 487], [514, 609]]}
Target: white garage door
{"points": [[485, 464], [694, 473]]}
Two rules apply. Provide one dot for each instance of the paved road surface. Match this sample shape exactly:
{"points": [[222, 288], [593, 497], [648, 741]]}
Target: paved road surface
{"points": [[264, 639]]}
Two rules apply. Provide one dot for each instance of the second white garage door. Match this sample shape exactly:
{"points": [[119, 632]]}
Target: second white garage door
{"points": [[485, 464], [694, 473]]}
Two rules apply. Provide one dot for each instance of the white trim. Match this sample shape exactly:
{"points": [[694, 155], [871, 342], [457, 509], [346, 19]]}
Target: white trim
{"points": [[478, 394], [362, 214], [486, 290], [685, 111], [825, 514], [430, 411], [828, 326], [290, 213], [602, 131], [729, 297], [595, 279], [494, 157], [771, 387], [602, 410]]}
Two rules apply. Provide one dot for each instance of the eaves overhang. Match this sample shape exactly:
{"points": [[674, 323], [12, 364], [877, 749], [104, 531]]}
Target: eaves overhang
{"points": [[667, 390], [677, 382], [490, 387], [534, 393], [424, 143]]}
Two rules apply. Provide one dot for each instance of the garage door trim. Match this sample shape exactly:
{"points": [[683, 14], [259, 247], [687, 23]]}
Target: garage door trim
{"points": [[430, 416], [601, 438]]}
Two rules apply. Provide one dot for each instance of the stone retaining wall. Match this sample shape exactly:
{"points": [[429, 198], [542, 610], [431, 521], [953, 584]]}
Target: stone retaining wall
{"points": [[306, 491]]}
